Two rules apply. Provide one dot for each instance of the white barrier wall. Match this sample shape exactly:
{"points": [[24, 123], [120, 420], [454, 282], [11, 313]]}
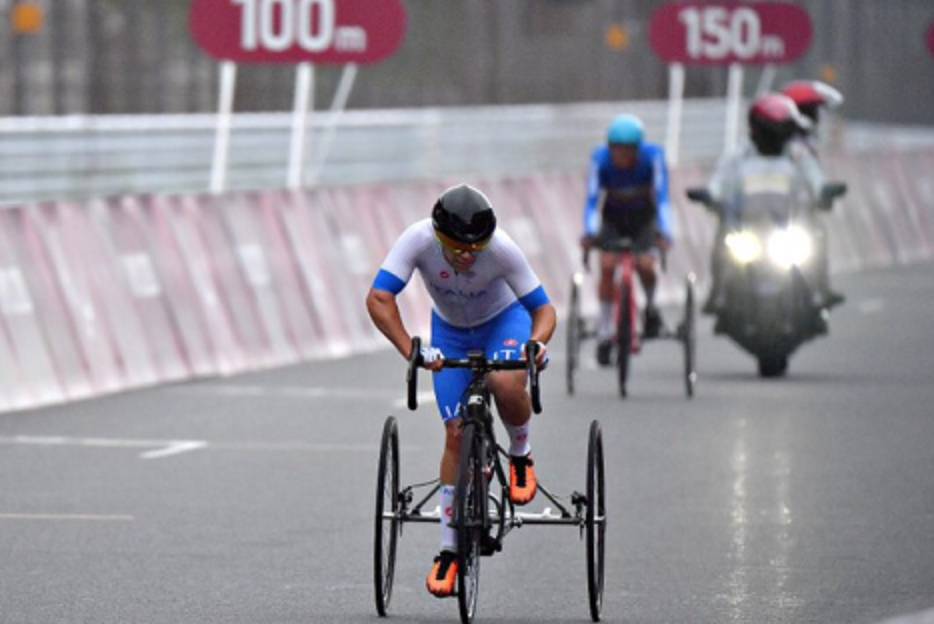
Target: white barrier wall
{"points": [[126, 292]]}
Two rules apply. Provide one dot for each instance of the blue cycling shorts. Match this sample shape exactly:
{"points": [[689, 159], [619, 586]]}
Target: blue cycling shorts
{"points": [[501, 338]]}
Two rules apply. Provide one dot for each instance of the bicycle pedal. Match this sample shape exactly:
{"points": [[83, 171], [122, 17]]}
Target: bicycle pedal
{"points": [[490, 546]]}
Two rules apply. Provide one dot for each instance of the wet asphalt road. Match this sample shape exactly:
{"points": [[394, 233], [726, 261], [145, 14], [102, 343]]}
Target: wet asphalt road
{"points": [[250, 499]]}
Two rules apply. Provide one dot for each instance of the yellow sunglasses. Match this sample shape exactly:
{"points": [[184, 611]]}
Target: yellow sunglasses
{"points": [[458, 248]]}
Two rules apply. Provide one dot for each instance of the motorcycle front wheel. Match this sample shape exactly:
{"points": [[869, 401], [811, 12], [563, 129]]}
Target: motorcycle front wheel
{"points": [[773, 365]]}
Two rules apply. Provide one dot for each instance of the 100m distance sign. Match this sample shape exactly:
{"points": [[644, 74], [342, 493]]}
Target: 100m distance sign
{"points": [[296, 31]]}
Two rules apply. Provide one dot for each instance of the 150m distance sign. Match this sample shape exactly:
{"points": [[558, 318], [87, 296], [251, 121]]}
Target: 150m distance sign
{"points": [[295, 31], [721, 33]]}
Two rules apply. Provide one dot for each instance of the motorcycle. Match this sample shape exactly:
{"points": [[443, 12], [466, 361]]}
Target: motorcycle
{"points": [[770, 302]]}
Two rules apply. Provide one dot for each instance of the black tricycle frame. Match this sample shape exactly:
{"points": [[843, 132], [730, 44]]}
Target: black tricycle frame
{"points": [[482, 519]]}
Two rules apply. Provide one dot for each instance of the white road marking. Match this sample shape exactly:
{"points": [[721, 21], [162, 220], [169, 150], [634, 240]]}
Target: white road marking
{"points": [[173, 449], [163, 448], [398, 397], [166, 448], [424, 398], [289, 392], [83, 517]]}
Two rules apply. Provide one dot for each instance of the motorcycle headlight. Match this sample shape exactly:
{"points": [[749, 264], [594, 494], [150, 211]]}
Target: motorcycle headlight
{"points": [[790, 247], [744, 246]]}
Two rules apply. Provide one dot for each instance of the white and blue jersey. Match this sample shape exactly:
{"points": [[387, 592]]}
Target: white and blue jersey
{"points": [[630, 195], [485, 308]]}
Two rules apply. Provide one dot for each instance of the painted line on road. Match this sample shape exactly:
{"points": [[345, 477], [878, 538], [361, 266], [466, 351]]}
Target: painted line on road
{"points": [[81, 517], [163, 448], [288, 392], [305, 448], [173, 449], [264, 392], [167, 448], [422, 397]]}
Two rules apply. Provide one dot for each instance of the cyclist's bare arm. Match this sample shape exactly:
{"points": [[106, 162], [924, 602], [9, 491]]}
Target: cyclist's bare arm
{"points": [[384, 311], [544, 319]]}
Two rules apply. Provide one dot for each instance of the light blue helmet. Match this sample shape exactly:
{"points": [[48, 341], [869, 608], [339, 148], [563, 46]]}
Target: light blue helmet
{"points": [[626, 130]]}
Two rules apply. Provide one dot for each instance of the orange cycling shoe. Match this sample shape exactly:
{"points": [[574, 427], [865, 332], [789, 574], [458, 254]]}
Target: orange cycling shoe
{"points": [[522, 483], [443, 575]]}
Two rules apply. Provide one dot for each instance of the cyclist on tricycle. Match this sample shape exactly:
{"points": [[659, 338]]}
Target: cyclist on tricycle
{"points": [[627, 197], [485, 296]]}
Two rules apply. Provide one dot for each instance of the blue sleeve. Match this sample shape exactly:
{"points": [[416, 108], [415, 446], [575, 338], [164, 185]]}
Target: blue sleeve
{"points": [[535, 299], [591, 213], [663, 205], [388, 282]]}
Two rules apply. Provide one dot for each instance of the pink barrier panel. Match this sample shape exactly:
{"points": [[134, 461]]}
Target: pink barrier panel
{"points": [[854, 217], [192, 332], [311, 237], [912, 173], [885, 208], [554, 205], [114, 294], [891, 200], [64, 232], [26, 374], [122, 225], [59, 329], [294, 301], [358, 215], [235, 273], [251, 232], [183, 217], [363, 221], [844, 245], [110, 287]]}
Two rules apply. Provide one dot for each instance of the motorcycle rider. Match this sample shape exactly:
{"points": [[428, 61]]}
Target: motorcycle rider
{"points": [[810, 96], [774, 121]]}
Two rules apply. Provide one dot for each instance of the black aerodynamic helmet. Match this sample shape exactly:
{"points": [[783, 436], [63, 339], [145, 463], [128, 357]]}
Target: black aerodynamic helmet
{"points": [[464, 215]]}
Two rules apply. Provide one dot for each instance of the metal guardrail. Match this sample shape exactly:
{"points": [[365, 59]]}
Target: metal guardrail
{"points": [[57, 158]]}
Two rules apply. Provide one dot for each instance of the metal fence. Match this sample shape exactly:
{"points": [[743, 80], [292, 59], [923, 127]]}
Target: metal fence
{"points": [[79, 157], [95, 57]]}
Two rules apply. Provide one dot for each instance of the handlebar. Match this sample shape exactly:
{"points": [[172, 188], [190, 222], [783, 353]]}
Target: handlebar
{"points": [[477, 362]]}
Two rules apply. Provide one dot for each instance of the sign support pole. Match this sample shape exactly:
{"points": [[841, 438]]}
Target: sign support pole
{"points": [[675, 106], [766, 78], [734, 92], [304, 88], [228, 79], [338, 106]]}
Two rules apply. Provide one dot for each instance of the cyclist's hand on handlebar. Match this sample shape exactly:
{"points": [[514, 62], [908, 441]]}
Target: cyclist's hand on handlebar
{"points": [[432, 358], [542, 358]]}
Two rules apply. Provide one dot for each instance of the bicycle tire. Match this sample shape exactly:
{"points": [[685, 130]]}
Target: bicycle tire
{"points": [[470, 517], [689, 337], [387, 526], [573, 335], [595, 521], [624, 330]]}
